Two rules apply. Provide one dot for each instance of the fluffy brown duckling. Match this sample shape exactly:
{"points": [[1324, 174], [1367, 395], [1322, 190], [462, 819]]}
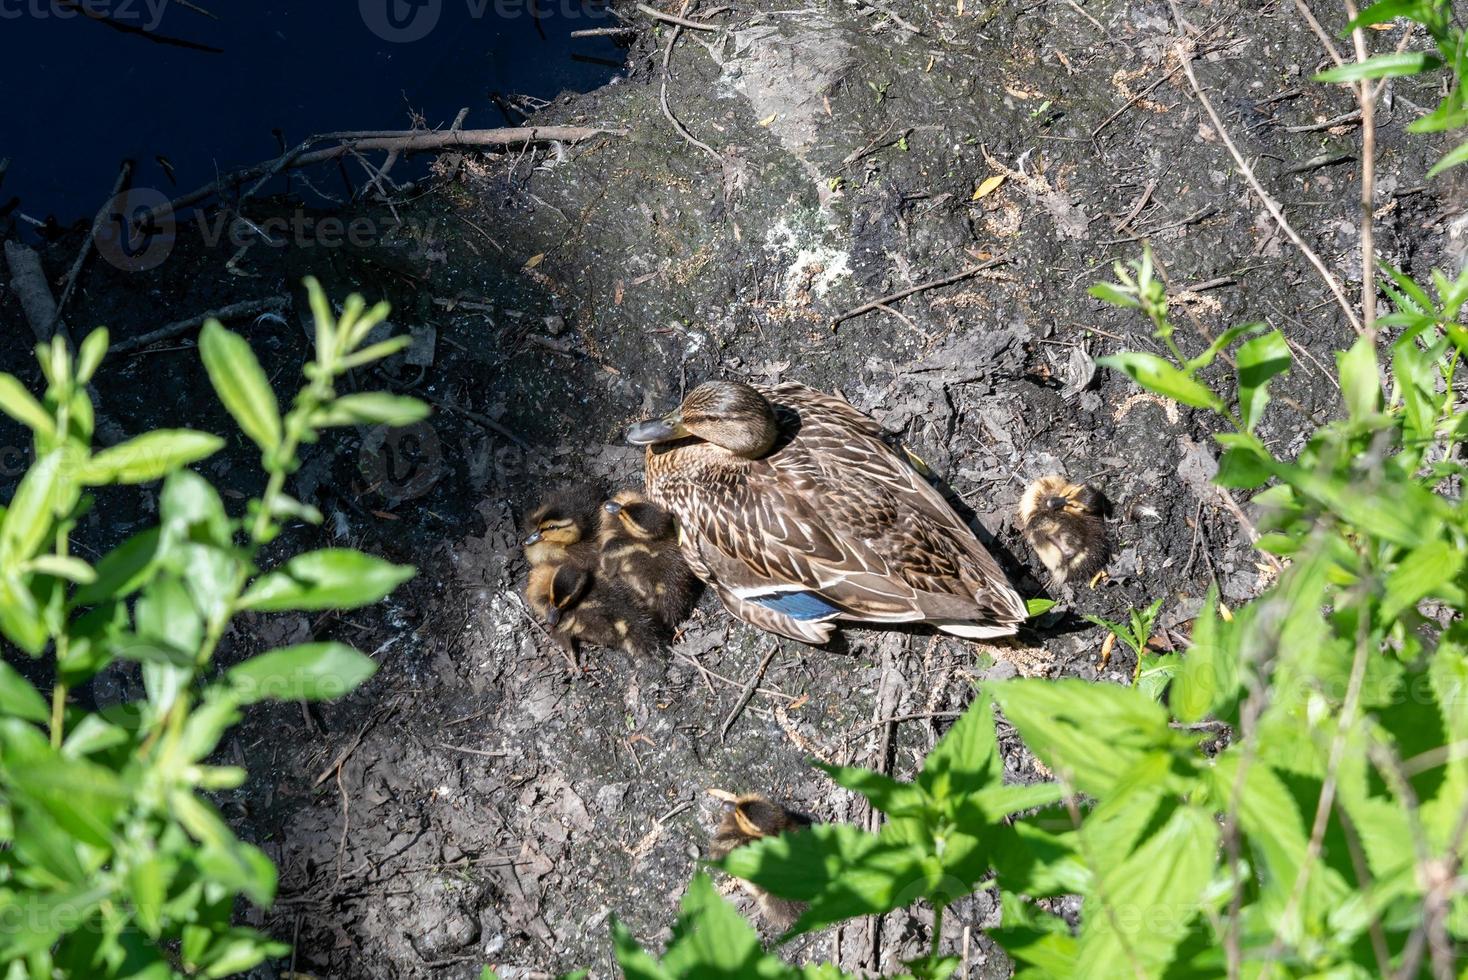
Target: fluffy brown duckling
{"points": [[639, 548], [1065, 523], [749, 818], [576, 606], [564, 527]]}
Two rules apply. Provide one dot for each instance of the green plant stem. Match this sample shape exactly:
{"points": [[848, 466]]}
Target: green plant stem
{"points": [[937, 933], [58, 713]]}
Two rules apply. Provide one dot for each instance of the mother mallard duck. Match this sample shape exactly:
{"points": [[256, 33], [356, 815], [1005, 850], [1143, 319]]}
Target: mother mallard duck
{"points": [[795, 510]]}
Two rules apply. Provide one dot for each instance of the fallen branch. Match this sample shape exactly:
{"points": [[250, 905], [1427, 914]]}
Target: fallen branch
{"points": [[81, 257], [28, 280], [235, 311], [879, 303], [678, 18], [1270, 205], [412, 141]]}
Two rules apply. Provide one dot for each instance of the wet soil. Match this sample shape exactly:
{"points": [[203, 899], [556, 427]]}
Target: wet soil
{"points": [[480, 802]]}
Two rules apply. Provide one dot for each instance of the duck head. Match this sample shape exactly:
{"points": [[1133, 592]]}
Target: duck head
{"points": [[728, 414], [638, 517]]}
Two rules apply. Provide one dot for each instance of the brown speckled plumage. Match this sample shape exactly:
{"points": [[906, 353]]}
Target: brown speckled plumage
{"points": [[814, 500], [749, 818]]}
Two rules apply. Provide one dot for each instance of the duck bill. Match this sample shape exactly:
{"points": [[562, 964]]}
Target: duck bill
{"points": [[654, 431], [532, 539]]}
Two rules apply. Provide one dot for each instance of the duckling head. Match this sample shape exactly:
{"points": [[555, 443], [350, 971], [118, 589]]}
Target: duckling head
{"points": [[728, 414], [559, 522], [1055, 493], [639, 518], [755, 817], [554, 590]]}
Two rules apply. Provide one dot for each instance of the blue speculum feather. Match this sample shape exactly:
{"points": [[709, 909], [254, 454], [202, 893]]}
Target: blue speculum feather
{"points": [[797, 605]]}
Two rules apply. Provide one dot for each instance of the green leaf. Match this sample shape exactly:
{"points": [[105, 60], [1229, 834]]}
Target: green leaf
{"points": [[192, 511], [636, 964], [308, 671], [221, 854], [1162, 378], [148, 884], [123, 570], [28, 520], [18, 698], [1065, 721], [1220, 342], [1259, 360], [66, 567], [801, 864], [711, 938], [149, 457], [1038, 607], [19, 404], [1115, 295], [886, 794], [963, 762], [1382, 66], [1242, 468], [92, 734], [20, 615], [83, 798], [1360, 382], [1454, 157], [372, 408], [1139, 911], [93, 349], [1385, 11], [1427, 570], [241, 384], [333, 578]]}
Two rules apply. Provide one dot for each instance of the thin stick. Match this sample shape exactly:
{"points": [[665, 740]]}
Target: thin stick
{"points": [[411, 141], [877, 304], [663, 93], [1349, 117], [1131, 102], [678, 18], [882, 8], [1270, 204], [605, 32], [235, 311], [746, 695], [81, 256], [1330, 48], [1366, 95], [478, 419]]}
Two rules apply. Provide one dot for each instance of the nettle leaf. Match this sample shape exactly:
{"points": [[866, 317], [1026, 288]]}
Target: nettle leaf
{"points": [[635, 962], [18, 698], [1064, 721], [1259, 360], [1454, 157], [886, 794], [1360, 381], [892, 874], [307, 671], [1208, 676], [148, 457], [800, 865], [964, 761], [1035, 938], [711, 938], [241, 384], [1427, 570], [1162, 378], [1382, 66], [1040, 862], [1139, 911], [332, 578]]}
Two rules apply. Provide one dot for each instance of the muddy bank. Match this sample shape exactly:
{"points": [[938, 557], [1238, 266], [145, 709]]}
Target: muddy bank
{"points": [[479, 803]]}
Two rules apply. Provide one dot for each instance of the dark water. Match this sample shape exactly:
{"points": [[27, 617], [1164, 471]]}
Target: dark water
{"points": [[81, 95]]}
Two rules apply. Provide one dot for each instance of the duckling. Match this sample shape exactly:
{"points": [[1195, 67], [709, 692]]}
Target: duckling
{"points": [[1066, 525], [578, 607], [639, 547], [749, 818], [564, 527]]}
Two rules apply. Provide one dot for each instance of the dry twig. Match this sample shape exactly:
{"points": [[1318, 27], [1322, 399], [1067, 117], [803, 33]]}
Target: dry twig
{"points": [[891, 298], [81, 257], [235, 311]]}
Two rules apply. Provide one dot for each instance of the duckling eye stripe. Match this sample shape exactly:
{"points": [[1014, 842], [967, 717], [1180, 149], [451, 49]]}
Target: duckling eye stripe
{"points": [[803, 606]]}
